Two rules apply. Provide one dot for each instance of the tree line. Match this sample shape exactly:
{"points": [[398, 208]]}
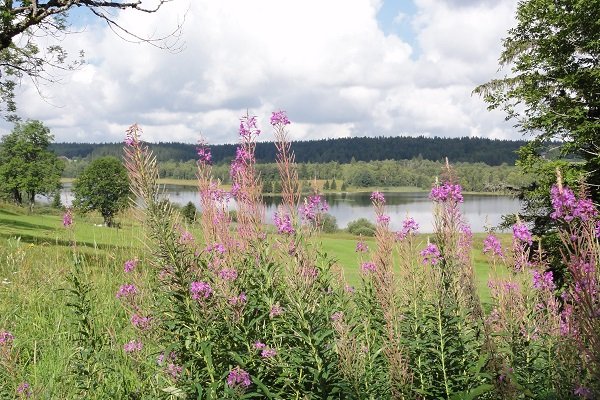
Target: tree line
{"points": [[342, 150]]}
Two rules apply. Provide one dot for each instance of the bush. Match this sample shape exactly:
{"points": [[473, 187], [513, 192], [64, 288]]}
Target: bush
{"points": [[361, 226], [329, 223], [189, 212]]}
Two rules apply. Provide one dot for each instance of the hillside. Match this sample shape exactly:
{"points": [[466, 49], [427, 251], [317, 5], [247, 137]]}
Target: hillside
{"points": [[489, 151]]}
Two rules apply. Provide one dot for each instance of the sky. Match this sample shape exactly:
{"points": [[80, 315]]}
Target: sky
{"points": [[339, 68]]}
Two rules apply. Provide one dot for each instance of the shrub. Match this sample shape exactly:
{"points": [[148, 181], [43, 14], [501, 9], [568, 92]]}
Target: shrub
{"points": [[361, 226], [328, 223]]}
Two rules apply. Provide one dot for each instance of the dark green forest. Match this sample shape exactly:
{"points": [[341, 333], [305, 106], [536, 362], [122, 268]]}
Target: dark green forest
{"points": [[474, 150]]}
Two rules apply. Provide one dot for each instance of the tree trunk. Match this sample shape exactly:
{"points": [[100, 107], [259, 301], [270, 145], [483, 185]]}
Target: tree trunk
{"points": [[31, 200], [17, 196]]}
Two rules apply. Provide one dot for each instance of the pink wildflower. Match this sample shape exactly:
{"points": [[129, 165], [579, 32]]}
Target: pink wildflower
{"points": [[133, 346], [431, 254], [543, 281], [248, 127], [377, 198], [259, 345], [127, 290], [491, 244], [361, 247], [268, 353], [521, 232], [337, 316], [200, 290], [68, 218], [24, 390], [174, 370], [313, 206], [279, 118], [238, 300], [383, 219], [446, 192], [228, 274], [283, 222], [140, 322], [238, 378], [276, 310], [204, 154], [129, 265], [6, 338], [409, 227], [367, 267]]}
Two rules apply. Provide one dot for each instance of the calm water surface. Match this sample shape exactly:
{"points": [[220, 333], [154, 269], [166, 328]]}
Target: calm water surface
{"points": [[479, 210]]}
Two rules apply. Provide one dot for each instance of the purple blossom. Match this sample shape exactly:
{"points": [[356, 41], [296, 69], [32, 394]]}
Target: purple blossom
{"points": [[204, 154], [133, 346], [598, 229], [279, 118], [361, 247], [228, 274], [129, 265], [174, 370], [383, 219], [276, 310], [186, 237], [259, 345], [446, 192], [24, 389], [238, 378], [409, 227], [543, 281], [248, 127], [583, 392], [367, 267], [200, 290], [67, 218], [240, 299], [585, 210], [313, 205], [6, 338], [140, 322], [521, 232], [130, 139], [491, 244], [563, 202], [127, 290], [268, 353], [431, 254], [337, 316], [377, 198], [283, 222]]}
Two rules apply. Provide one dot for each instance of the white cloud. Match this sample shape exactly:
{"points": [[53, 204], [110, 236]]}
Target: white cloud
{"points": [[326, 62]]}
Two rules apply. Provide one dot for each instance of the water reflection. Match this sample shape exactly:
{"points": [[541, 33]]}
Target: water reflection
{"points": [[479, 210]]}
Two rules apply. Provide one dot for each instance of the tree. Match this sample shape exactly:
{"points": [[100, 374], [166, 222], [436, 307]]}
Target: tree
{"points": [[104, 187], [326, 185], [333, 185], [24, 22], [27, 167], [554, 90], [189, 212]]}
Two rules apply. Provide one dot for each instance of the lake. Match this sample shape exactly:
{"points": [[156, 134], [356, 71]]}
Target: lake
{"points": [[479, 210]]}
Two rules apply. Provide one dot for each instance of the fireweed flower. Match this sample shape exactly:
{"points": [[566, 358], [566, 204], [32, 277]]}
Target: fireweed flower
{"points": [[383, 219], [216, 248], [431, 254], [248, 127], [140, 322], [446, 192], [563, 202], [598, 229], [129, 265], [127, 290], [241, 299], [228, 274], [133, 346], [361, 247], [521, 232], [491, 244], [6, 338], [279, 118], [283, 222], [259, 345], [24, 390], [200, 290], [204, 154], [313, 205], [367, 267], [378, 197], [238, 378], [276, 310], [409, 227], [337, 316], [543, 281], [186, 237], [68, 218]]}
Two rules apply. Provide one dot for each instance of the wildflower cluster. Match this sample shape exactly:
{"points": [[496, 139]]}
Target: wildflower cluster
{"points": [[312, 207], [431, 254], [409, 227], [446, 192], [567, 207], [492, 245]]}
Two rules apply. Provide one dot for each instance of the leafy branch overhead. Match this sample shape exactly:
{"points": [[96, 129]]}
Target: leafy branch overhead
{"points": [[24, 23]]}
